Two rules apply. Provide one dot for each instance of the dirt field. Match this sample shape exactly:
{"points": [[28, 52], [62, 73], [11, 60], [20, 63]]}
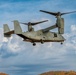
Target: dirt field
{"points": [[59, 73], [3, 74]]}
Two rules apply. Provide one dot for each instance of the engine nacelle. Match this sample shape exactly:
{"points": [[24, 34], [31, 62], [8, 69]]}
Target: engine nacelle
{"points": [[61, 26]]}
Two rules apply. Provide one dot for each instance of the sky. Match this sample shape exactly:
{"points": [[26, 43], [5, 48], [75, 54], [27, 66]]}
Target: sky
{"points": [[21, 58]]}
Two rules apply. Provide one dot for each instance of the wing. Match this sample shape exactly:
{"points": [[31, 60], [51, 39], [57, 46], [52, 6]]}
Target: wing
{"points": [[49, 28]]}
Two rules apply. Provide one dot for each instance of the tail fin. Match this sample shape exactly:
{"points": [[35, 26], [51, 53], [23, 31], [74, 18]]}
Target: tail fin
{"points": [[17, 28], [6, 28], [7, 32]]}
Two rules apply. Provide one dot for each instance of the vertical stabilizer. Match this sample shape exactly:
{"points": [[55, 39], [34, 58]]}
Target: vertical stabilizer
{"points": [[6, 28], [7, 32], [17, 28]]}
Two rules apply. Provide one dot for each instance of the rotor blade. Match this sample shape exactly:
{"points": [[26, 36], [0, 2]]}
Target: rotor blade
{"points": [[39, 22], [52, 13], [24, 23], [68, 12], [34, 23]]}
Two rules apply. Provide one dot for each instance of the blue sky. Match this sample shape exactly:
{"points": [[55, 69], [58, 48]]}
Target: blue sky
{"points": [[18, 57]]}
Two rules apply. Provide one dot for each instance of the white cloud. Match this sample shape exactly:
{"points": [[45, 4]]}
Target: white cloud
{"points": [[15, 44], [1, 35], [73, 28]]}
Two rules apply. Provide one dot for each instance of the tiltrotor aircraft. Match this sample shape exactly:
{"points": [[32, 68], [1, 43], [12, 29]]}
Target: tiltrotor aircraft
{"points": [[43, 35]]}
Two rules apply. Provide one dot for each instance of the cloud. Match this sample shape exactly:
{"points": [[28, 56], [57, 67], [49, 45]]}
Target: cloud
{"points": [[1, 34], [15, 46], [73, 28], [20, 53]]}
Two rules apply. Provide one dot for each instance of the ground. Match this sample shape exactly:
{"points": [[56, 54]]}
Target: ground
{"points": [[59, 73], [3, 74]]}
